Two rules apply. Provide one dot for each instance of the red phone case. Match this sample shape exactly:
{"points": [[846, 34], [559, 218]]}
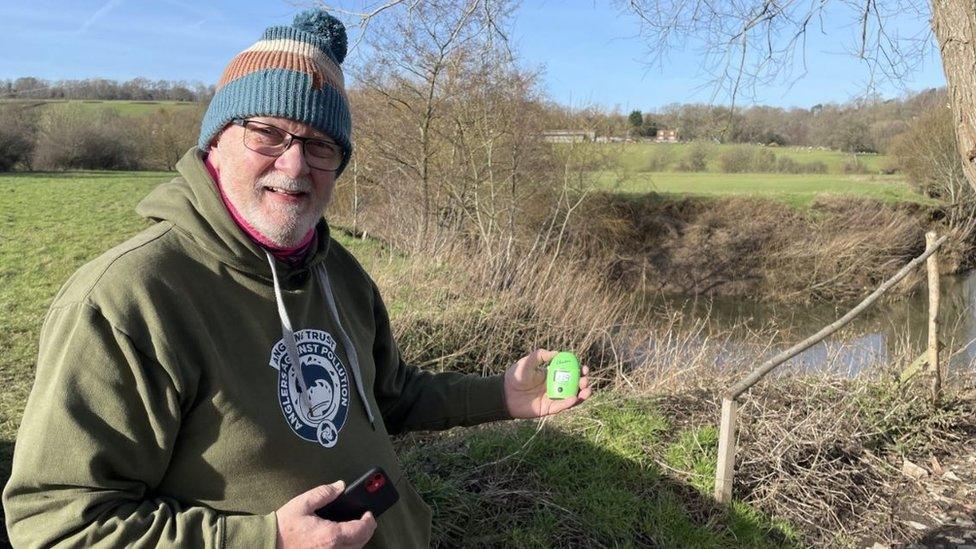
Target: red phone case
{"points": [[373, 492]]}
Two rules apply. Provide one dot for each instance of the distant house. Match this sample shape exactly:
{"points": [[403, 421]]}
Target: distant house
{"points": [[568, 136], [666, 136]]}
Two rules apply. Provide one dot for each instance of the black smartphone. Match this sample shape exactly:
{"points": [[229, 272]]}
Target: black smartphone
{"points": [[373, 492]]}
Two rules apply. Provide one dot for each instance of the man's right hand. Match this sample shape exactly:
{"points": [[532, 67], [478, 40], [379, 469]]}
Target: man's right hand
{"points": [[299, 526]]}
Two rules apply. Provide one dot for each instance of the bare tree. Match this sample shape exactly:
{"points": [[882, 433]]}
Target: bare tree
{"points": [[749, 43]]}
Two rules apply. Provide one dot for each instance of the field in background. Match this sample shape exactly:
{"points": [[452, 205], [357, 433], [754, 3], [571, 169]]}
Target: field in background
{"points": [[637, 156], [798, 190], [125, 108]]}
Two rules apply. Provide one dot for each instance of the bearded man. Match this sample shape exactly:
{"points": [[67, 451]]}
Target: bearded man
{"points": [[217, 378]]}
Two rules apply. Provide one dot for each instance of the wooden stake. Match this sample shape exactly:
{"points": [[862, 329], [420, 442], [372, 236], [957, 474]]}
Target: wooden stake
{"points": [[725, 470], [932, 264]]}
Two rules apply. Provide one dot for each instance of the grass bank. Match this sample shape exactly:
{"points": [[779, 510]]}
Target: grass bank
{"points": [[642, 157], [797, 190], [756, 248], [633, 467]]}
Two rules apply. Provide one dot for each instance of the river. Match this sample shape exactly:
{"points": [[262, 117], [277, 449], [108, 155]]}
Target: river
{"points": [[889, 331]]}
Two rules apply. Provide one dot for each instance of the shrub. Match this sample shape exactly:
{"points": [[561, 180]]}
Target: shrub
{"points": [[785, 164], [815, 167], [72, 136], [661, 158], [18, 129], [763, 160], [928, 156], [739, 159], [696, 159], [165, 136], [855, 167]]}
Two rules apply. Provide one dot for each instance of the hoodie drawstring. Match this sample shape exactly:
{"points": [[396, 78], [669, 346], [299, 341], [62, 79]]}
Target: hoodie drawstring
{"points": [[288, 334], [323, 275]]}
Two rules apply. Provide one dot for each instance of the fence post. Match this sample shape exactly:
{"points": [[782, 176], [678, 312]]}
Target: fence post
{"points": [[932, 264], [725, 469]]}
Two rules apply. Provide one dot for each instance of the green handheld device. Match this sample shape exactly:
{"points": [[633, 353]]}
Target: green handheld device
{"points": [[562, 379]]}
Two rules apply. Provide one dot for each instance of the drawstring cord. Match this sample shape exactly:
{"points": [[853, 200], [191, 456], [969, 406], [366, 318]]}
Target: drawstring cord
{"points": [[288, 334]]}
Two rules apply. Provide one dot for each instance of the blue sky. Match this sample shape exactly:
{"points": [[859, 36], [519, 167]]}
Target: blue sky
{"points": [[590, 53]]}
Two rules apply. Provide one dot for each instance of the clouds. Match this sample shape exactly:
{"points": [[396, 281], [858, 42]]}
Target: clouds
{"points": [[99, 13]]}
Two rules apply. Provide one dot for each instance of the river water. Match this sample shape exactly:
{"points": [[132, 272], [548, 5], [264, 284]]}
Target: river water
{"points": [[887, 333]]}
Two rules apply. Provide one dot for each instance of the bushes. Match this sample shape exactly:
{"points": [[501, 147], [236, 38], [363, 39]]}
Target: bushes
{"points": [[166, 135], [661, 159], [736, 160], [76, 136], [71, 137], [696, 159], [785, 164], [753, 159], [18, 126], [854, 167]]}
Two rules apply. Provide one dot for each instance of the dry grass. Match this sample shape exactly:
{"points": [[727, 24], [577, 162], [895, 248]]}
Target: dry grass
{"points": [[466, 322], [839, 248], [822, 452]]}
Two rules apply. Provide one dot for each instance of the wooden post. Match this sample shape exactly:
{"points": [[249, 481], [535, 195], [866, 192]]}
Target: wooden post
{"points": [[932, 264], [725, 470]]}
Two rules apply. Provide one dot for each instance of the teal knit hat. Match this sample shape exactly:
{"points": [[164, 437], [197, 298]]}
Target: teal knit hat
{"points": [[292, 72]]}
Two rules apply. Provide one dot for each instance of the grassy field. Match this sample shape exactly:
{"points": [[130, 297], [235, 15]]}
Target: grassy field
{"points": [[125, 108], [797, 190], [601, 475], [637, 156]]}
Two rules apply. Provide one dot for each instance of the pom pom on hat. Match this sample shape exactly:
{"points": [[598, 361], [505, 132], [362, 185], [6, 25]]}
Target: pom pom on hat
{"points": [[324, 25]]}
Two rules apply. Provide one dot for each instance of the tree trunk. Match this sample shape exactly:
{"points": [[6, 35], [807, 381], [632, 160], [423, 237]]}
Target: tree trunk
{"points": [[954, 23]]}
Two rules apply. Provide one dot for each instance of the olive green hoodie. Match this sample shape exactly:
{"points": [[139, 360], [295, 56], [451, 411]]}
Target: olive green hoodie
{"points": [[165, 409]]}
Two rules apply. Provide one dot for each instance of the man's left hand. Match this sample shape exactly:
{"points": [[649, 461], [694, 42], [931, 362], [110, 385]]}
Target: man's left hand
{"points": [[525, 387]]}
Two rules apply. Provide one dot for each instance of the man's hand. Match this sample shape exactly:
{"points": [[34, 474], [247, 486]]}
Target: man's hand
{"points": [[299, 526], [525, 387]]}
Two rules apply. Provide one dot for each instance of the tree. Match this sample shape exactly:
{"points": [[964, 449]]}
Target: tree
{"points": [[954, 22], [649, 127], [636, 120], [753, 42]]}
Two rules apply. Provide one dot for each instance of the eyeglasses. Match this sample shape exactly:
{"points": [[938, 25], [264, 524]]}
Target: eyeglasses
{"points": [[273, 141]]}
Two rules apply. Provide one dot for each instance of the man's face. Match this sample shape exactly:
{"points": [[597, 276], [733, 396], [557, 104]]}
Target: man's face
{"points": [[283, 198]]}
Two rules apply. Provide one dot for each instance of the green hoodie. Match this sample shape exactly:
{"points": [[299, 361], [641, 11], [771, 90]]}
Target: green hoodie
{"points": [[165, 410]]}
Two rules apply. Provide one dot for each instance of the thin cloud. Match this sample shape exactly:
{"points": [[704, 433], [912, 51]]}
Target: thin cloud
{"points": [[99, 13]]}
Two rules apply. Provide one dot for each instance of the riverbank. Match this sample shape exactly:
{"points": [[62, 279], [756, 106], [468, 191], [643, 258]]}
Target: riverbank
{"points": [[820, 464], [759, 249], [634, 466]]}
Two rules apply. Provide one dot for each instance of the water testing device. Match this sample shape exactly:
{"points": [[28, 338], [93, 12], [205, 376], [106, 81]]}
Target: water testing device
{"points": [[562, 378]]}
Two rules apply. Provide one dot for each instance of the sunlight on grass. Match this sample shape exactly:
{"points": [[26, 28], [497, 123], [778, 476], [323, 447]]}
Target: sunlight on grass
{"points": [[796, 190]]}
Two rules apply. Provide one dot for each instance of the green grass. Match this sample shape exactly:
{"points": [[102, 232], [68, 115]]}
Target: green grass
{"points": [[589, 478], [51, 224], [592, 476], [636, 156], [125, 108], [797, 190]]}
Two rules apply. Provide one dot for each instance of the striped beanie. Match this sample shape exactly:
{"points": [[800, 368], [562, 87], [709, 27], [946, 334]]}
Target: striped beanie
{"points": [[292, 72]]}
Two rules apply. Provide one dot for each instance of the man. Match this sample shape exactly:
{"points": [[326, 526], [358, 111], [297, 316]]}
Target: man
{"points": [[218, 377]]}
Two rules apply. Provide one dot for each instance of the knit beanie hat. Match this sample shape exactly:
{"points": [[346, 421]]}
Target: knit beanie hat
{"points": [[292, 72]]}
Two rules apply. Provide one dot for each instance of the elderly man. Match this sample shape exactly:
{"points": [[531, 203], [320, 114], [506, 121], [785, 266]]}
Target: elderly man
{"points": [[218, 377]]}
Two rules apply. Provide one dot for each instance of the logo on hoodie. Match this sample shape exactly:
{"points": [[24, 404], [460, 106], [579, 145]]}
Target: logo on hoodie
{"points": [[315, 396]]}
